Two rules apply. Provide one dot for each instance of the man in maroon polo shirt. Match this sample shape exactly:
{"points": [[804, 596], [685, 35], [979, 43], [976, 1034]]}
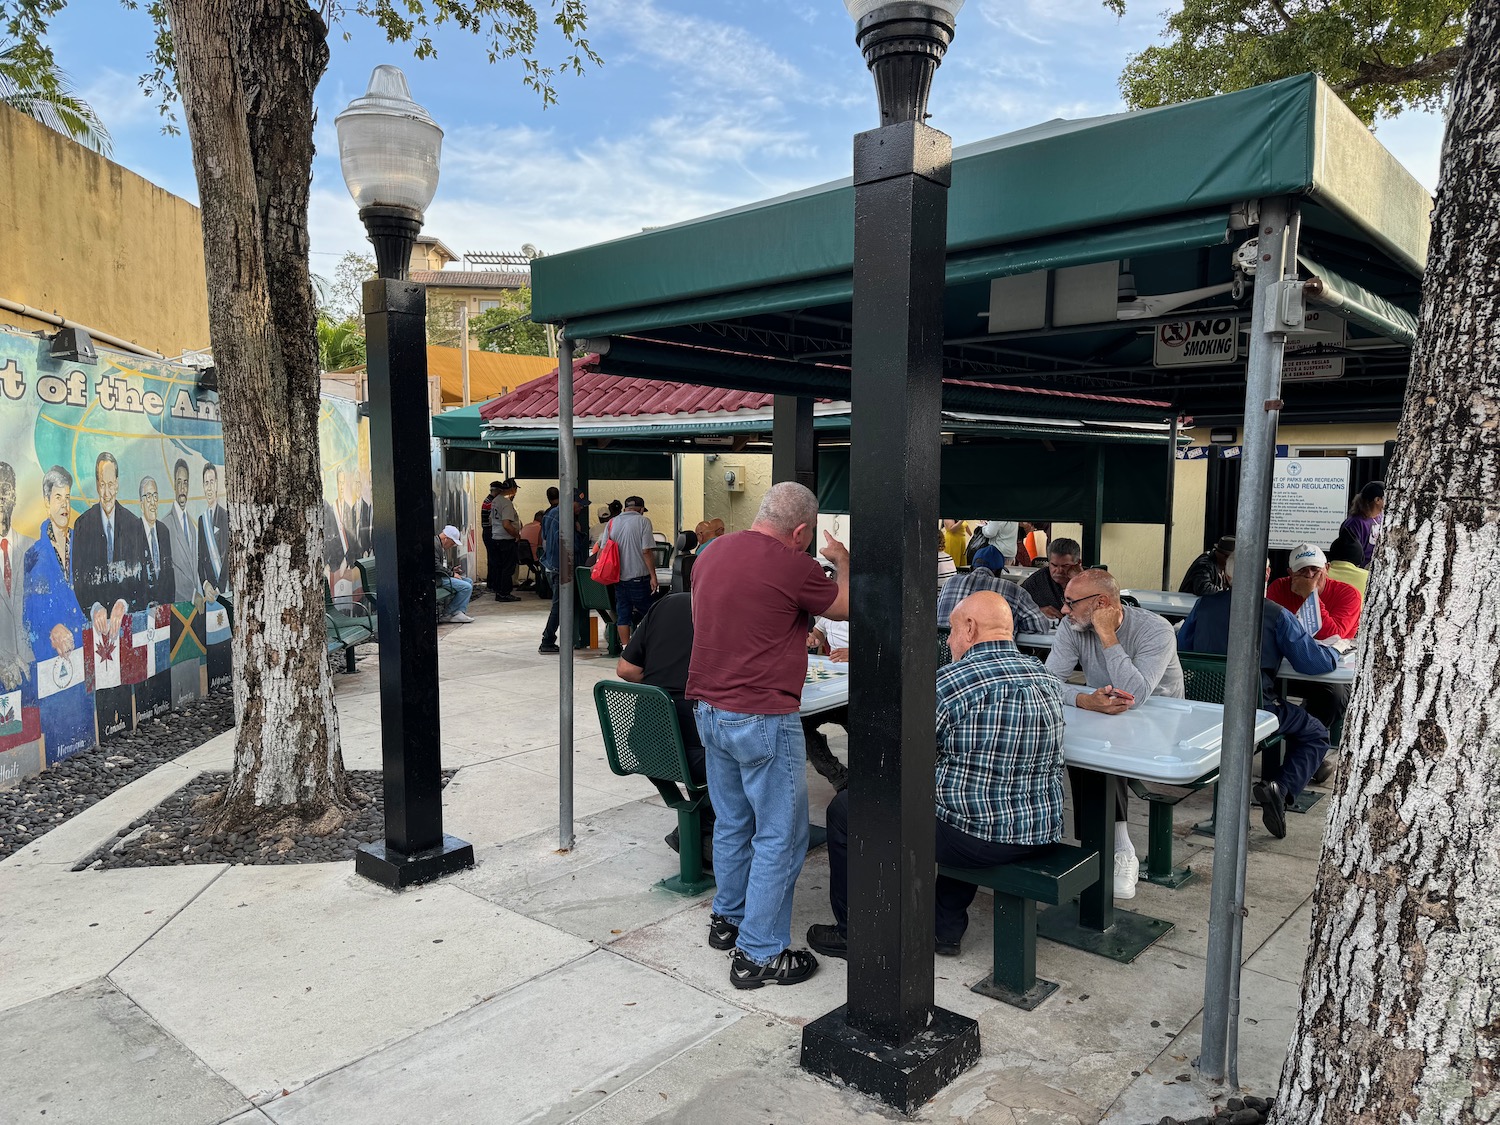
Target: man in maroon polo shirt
{"points": [[754, 597]]}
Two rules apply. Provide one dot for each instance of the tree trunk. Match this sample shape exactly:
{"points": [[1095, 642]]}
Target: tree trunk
{"points": [[246, 70], [1399, 1020]]}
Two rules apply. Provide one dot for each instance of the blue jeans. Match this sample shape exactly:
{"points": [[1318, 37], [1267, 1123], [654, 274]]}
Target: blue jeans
{"points": [[632, 600], [757, 781], [462, 589], [1306, 742]]}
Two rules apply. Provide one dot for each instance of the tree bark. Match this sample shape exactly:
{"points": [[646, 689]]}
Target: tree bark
{"points": [[246, 70], [1399, 1020]]}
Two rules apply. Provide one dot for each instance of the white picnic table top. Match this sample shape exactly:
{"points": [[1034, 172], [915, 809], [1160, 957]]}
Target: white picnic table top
{"points": [[1171, 741], [1168, 603]]}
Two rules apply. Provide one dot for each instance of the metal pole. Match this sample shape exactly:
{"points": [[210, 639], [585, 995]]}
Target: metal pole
{"points": [[463, 343], [567, 477], [415, 848], [1277, 253], [1171, 500]]}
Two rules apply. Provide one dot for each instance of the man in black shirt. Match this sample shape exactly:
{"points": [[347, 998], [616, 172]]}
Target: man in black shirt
{"points": [[658, 655], [1046, 586], [1206, 575]]}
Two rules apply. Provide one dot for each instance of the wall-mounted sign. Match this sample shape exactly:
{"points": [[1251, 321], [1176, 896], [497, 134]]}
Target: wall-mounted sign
{"points": [[1307, 351], [1309, 500], [1201, 341]]}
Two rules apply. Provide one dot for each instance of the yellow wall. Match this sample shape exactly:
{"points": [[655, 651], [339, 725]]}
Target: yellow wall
{"points": [[89, 240]]}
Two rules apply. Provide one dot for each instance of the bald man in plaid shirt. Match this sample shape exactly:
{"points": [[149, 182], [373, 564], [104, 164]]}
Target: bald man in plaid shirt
{"points": [[999, 769]]}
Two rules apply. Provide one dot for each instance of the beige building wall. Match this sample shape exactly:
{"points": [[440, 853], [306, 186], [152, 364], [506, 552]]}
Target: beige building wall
{"points": [[84, 238]]}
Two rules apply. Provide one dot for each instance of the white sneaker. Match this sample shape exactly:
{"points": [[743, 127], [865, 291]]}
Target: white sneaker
{"points": [[461, 619], [1127, 873]]}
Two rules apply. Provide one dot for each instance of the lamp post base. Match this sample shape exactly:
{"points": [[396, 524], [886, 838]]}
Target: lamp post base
{"points": [[382, 864], [904, 1077]]}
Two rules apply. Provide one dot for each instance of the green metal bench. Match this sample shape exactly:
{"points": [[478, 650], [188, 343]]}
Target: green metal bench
{"points": [[641, 737], [1055, 876], [594, 596], [346, 630]]}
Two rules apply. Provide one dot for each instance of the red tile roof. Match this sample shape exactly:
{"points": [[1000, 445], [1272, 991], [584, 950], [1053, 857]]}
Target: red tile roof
{"points": [[596, 395], [472, 279]]}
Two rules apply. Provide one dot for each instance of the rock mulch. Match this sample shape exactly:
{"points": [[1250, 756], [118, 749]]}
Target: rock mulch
{"points": [[42, 802], [1248, 1110], [173, 833]]}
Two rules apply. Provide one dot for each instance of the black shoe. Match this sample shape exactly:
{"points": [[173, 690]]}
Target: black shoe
{"points": [[722, 933], [1324, 771], [790, 966], [506, 598], [828, 941], [1272, 807], [548, 649], [946, 948]]}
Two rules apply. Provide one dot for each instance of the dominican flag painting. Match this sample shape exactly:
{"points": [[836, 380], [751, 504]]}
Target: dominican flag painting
{"points": [[151, 658]]}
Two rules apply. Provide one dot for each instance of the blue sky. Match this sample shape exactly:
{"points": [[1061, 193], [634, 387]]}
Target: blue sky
{"points": [[699, 106]]}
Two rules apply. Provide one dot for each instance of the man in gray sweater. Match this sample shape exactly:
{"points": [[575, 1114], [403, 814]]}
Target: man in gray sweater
{"points": [[1126, 654]]}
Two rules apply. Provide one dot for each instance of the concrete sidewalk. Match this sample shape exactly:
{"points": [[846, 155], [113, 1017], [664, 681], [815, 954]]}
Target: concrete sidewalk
{"points": [[541, 987]]}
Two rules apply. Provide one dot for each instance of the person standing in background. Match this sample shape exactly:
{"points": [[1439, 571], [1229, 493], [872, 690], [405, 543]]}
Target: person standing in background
{"points": [[505, 532], [956, 541], [1365, 516]]}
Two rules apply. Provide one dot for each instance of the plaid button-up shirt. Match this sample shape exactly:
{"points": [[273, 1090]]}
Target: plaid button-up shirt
{"points": [[1000, 746], [1028, 617]]}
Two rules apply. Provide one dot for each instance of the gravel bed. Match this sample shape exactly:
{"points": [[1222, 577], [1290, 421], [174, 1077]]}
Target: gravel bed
{"points": [[173, 833], [1247, 1110], [43, 801]]}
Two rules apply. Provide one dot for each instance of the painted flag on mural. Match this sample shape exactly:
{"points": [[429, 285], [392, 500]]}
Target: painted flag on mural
{"points": [[60, 673], [151, 640], [187, 632], [10, 714], [132, 657], [218, 623], [102, 663]]}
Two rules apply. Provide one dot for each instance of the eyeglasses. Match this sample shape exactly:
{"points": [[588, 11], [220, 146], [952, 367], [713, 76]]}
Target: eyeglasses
{"points": [[1071, 602]]}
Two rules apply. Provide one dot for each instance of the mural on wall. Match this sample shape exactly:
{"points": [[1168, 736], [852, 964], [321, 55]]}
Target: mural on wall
{"points": [[114, 603], [348, 516]]}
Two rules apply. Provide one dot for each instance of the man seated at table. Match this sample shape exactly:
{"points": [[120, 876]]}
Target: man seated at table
{"points": [[1026, 614], [830, 639], [1208, 574], [1127, 654], [999, 770], [1329, 610], [1046, 586], [658, 655], [1282, 637]]}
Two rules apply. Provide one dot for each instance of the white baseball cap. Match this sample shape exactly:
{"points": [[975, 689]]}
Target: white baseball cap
{"points": [[1305, 554], [452, 533]]}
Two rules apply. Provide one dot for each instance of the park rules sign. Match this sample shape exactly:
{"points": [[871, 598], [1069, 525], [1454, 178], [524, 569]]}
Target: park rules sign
{"points": [[1309, 500]]}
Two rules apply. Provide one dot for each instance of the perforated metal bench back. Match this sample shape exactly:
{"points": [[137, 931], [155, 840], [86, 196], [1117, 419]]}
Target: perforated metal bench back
{"points": [[641, 735], [1203, 676], [944, 653]]}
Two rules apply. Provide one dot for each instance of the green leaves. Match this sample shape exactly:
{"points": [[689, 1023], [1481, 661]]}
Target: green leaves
{"points": [[1381, 56], [32, 82], [509, 328]]}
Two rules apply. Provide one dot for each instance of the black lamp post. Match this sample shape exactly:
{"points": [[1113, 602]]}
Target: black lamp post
{"points": [[389, 149], [890, 1040]]}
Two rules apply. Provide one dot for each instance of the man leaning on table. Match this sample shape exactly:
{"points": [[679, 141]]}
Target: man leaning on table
{"points": [[1049, 584], [754, 596], [999, 770], [1282, 637], [1126, 654]]}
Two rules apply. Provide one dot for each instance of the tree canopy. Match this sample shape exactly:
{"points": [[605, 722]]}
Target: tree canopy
{"points": [[508, 327], [1381, 57]]}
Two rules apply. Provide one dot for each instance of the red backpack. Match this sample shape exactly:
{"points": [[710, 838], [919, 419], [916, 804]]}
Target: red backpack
{"points": [[606, 569]]}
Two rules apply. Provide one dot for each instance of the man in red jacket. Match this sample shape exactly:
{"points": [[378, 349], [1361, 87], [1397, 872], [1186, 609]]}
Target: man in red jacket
{"points": [[1329, 610]]}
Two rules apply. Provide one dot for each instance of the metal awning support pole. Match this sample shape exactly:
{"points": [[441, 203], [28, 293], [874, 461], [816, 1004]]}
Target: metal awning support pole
{"points": [[567, 482], [1171, 500], [792, 442], [1277, 253]]}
